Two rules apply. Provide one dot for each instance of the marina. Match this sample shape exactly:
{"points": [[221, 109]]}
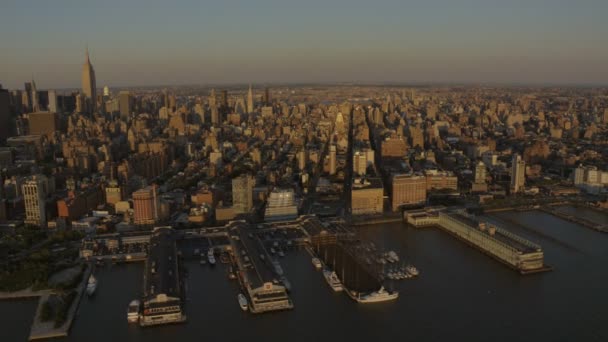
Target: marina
{"points": [[483, 286]]}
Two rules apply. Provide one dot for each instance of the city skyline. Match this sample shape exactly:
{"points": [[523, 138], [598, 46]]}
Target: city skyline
{"points": [[539, 42]]}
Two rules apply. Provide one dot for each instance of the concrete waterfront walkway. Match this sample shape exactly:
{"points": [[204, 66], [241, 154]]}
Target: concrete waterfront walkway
{"points": [[43, 330]]}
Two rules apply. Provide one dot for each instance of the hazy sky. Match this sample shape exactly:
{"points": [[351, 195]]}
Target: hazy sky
{"points": [[149, 42]]}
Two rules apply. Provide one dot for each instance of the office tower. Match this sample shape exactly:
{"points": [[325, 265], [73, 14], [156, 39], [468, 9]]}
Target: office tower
{"points": [[407, 190], [88, 84], [332, 160], [518, 174], [145, 206], [215, 116], [367, 196], [43, 123], [35, 190], [281, 206], [27, 97], [106, 91], [250, 100], [53, 106], [5, 114], [212, 99], [16, 100], [479, 184], [34, 97], [267, 96], [224, 99], [124, 103], [242, 193], [113, 192]]}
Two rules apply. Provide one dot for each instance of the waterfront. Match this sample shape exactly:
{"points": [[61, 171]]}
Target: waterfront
{"points": [[460, 294]]}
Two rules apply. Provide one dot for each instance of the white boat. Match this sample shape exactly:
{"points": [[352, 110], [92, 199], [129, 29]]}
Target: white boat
{"points": [[91, 285], [281, 254], [392, 256], [272, 250], [333, 280], [133, 311], [317, 263], [211, 257], [374, 297], [243, 302], [412, 270]]}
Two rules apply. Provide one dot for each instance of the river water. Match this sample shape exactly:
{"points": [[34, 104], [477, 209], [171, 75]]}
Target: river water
{"points": [[461, 294]]}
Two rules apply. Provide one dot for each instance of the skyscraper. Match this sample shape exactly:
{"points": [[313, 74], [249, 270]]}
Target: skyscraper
{"points": [[34, 96], [34, 196], [27, 97], [52, 107], [124, 103], [145, 206], [267, 96], [4, 113], [242, 193], [518, 173], [250, 100], [89, 88]]}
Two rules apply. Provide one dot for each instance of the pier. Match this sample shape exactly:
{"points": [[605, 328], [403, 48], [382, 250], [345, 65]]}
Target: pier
{"points": [[575, 219], [506, 247]]}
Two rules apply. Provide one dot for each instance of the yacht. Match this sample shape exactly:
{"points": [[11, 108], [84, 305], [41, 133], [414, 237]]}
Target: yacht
{"points": [[133, 311], [243, 302], [333, 280], [374, 297], [317, 263], [91, 285], [412, 270], [211, 257]]}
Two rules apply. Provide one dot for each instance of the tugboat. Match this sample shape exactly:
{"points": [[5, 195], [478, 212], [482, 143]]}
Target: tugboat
{"points": [[91, 285]]}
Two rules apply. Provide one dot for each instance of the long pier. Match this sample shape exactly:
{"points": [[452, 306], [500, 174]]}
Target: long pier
{"points": [[576, 219]]}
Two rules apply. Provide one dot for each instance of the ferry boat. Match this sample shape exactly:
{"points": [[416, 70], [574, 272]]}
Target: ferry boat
{"points": [[317, 263], [210, 256], [374, 297], [243, 302], [91, 285], [333, 280], [133, 311]]}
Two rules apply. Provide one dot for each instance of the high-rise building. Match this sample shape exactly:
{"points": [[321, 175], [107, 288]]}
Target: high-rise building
{"points": [[250, 100], [281, 206], [43, 123], [212, 100], [35, 190], [367, 196], [5, 112], [267, 96], [332, 160], [518, 173], [145, 206], [124, 103], [242, 193], [407, 190], [479, 184], [53, 105], [89, 87], [34, 96], [27, 97], [106, 91]]}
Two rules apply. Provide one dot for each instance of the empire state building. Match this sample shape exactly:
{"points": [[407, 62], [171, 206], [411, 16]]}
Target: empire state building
{"points": [[89, 88]]}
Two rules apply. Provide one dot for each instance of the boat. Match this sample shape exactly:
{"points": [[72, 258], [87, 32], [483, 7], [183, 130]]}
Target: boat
{"points": [[412, 270], [211, 257], [272, 250], [243, 302], [91, 285], [379, 296], [317, 263], [391, 256], [281, 254], [231, 274], [133, 311], [332, 279]]}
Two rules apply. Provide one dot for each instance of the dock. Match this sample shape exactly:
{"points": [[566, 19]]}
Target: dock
{"points": [[576, 219]]}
